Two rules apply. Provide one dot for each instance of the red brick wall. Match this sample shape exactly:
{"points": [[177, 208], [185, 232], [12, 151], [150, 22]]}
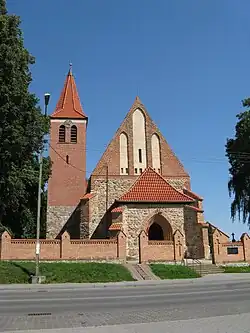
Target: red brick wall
{"points": [[221, 243], [67, 184], [63, 249], [171, 166], [161, 250]]}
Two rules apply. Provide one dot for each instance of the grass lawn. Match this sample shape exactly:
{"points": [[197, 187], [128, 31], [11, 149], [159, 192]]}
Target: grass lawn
{"points": [[173, 271], [242, 269], [20, 272]]}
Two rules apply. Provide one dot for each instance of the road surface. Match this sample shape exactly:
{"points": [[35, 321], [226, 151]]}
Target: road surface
{"points": [[207, 307]]}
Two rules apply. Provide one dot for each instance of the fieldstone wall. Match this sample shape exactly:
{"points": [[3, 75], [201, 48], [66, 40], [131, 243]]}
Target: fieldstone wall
{"points": [[57, 217], [84, 218], [178, 183], [105, 194], [137, 217], [197, 241], [108, 191]]}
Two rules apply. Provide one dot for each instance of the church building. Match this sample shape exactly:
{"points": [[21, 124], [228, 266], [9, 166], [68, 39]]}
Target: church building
{"points": [[139, 184]]}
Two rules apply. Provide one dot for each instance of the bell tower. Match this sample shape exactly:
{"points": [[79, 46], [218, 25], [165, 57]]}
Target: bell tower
{"points": [[67, 183]]}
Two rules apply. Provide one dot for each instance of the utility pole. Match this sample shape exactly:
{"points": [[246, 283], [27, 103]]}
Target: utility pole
{"points": [[37, 277]]}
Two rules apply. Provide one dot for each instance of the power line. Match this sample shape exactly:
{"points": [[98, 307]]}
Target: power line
{"points": [[213, 161]]}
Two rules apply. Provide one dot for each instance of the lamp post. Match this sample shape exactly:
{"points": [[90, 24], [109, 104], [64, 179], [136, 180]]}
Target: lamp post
{"points": [[46, 103]]}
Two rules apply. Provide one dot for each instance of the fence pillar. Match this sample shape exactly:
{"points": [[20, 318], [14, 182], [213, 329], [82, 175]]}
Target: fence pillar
{"points": [[143, 244], [5, 246], [246, 246], [217, 248], [178, 246], [121, 246], [65, 245]]}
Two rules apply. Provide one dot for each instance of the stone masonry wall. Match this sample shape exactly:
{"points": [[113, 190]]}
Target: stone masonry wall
{"points": [[57, 217], [136, 219], [193, 232], [115, 188]]}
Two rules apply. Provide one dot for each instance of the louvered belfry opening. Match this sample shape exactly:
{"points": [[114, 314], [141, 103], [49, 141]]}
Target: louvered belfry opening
{"points": [[73, 134], [62, 134]]}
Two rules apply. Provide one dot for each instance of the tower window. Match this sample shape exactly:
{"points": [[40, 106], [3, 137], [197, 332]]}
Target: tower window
{"points": [[73, 134], [140, 155], [67, 159], [121, 170], [62, 133], [127, 171], [135, 170], [140, 170]]}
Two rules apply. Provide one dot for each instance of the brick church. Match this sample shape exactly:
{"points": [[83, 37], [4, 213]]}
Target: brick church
{"points": [[138, 185]]}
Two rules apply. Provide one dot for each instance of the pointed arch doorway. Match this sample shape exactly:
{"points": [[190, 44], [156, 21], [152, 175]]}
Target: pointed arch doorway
{"points": [[159, 229], [155, 232]]}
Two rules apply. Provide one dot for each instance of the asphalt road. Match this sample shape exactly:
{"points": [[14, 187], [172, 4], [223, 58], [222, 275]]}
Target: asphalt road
{"points": [[54, 308]]}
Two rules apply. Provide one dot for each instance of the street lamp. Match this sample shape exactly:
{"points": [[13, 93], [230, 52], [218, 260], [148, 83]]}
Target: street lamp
{"points": [[37, 278]]}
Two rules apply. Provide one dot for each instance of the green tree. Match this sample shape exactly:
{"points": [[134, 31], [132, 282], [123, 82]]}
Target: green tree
{"points": [[22, 127], [238, 153]]}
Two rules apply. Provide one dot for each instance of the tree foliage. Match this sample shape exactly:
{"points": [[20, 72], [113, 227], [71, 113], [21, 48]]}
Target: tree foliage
{"points": [[238, 153], [22, 127]]}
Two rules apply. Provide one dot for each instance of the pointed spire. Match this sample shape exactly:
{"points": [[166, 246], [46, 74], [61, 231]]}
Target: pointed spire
{"points": [[69, 105], [3, 9], [70, 68]]}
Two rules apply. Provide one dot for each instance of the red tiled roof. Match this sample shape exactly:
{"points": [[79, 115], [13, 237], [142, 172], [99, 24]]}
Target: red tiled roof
{"points": [[69, 105], [152, 187], [88, 196], [196, 209], [117, 210], [192, 194], [115, 226]]}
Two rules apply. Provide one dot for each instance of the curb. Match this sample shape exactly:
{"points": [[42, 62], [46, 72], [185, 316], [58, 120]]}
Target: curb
{"points": [[212, 280]]}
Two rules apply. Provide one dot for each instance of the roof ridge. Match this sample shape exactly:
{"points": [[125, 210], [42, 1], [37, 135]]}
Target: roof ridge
{"points": [[158, 174], [160, 177]]}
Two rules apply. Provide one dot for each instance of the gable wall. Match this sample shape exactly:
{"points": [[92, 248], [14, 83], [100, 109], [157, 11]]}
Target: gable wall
{"points": [[170, 165]]}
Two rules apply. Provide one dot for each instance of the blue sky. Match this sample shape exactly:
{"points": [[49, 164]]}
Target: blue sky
{"points": [[187, 60]]}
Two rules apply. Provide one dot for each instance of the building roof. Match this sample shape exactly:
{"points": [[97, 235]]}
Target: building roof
{"points": [[152, 187], [117, 210], [192, 194], [115, 226], [69, 105]]}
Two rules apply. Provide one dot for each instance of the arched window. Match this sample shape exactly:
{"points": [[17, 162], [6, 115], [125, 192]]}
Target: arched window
{"points": [[123, 154], [62, 133], [156, 156], [73, 134]]}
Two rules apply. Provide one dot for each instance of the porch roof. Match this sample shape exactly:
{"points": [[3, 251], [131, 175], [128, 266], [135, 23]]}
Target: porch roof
{"points": [[152, 187]]}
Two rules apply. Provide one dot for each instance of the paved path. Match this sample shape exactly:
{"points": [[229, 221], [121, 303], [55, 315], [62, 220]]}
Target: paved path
{"points": [[169, 304], [224, 324]]}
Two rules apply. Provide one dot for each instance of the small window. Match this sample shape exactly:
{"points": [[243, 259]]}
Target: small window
{"points": [[127, 171], [62, 133], [140, 170], [140, 155], [121, 170], [135, 170], [159, 170], [67, 159], [73, 134], [232, 250]]}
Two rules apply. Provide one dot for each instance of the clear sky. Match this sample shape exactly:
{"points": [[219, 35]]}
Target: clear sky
{"points": [[187, 60]]}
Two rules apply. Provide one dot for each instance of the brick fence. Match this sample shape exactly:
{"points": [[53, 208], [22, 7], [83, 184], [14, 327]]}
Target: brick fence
{"points": [[64, 248], [225, 251], [161, 250]]}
